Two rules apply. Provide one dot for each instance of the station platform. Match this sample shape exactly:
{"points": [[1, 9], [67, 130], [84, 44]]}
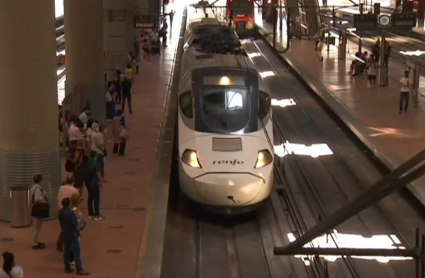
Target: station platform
{"points": [[405, 44], [371, 114], [111, 248], [347, 12]]}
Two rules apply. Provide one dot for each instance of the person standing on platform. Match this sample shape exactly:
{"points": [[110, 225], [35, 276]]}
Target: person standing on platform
{"points": [[163, 33], [372, 70], [364, 58], [147, 50], [404, 92], [126, 94], [93, 180], [65, 191], [129, 73], [117, 83], [71, 232], [74, 132], [319, 37], [320, 48], [387, 53], [37, 195], [10, 269], [85, 115], [76, 160], [118, 125], [171, 14], [75, 203], [98, 145], [376, 50], [110, 105]]}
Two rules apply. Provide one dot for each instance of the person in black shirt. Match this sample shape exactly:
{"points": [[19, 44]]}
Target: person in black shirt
{"points": [[126, 94], [171, 14], [376, 50], [71, 233], [93, 180]]}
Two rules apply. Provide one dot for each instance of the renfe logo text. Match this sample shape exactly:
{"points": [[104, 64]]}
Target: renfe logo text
{"points": [[228, 162]]}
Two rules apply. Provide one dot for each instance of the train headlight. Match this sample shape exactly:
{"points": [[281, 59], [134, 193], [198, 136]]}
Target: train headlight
{"points": [[190, 157], [264, 158]]}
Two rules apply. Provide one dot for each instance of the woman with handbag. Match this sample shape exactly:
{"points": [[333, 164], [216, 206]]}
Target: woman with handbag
{"points": [[75, 161], [120, 133], [39, 210]]}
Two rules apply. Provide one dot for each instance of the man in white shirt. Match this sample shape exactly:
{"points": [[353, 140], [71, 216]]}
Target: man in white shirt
{"points": [[85, 116], [65, 191], [404, 92], [154, 37], [74, 131], [37, 195]]}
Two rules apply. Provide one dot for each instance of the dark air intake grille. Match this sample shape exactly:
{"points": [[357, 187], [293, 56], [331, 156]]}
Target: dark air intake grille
{"points": [[227, 144]]}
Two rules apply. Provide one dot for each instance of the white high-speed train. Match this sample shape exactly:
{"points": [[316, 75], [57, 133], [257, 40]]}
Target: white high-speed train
{"points": [[225, 130]]}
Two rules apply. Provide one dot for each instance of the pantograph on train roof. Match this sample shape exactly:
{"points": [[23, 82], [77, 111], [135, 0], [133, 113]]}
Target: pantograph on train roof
{"points": [[216, 39]]}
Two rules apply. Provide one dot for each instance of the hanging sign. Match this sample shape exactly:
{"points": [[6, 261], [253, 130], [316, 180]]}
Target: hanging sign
{"points": [[144, 21]]}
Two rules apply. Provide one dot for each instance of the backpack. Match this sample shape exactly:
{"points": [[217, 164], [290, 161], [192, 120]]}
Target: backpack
{"points": [[71, 167]]}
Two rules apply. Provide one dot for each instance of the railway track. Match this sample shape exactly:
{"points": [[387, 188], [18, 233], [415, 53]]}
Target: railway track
{"points": [[200, 244], [310, 189], [307, 190]]}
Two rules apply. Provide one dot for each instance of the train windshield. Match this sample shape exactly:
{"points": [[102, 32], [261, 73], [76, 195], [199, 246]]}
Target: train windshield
{"points": [[225, 105], [241, 7]]}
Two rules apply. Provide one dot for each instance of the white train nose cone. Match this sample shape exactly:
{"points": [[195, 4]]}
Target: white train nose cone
{"points": [[228, 189]]}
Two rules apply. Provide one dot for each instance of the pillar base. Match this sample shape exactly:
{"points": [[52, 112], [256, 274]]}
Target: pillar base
{"points": [[16, 173], [20, 216]]}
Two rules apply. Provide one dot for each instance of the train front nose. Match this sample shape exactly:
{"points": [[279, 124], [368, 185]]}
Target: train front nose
{"points": [[229, 190]]}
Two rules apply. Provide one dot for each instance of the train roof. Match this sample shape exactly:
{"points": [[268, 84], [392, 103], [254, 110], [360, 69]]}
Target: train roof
{"points": [[213, 38], [194, 59]]}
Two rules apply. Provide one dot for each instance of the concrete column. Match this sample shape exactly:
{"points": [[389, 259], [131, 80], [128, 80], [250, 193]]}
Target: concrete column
{"points": [[85, 55], [119, 29], [28, 100]]}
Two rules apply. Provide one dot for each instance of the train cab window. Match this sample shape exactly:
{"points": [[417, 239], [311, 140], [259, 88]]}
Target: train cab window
{"points": [[264, 105], [225, 109], [185, 101]]}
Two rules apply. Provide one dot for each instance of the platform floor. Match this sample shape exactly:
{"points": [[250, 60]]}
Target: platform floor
{"points": [[372, 114], [111, 248]]}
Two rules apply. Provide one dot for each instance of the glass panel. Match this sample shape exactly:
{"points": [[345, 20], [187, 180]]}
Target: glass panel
{"points": [[186, 104], [244, 7], [225, 109], [264, 105]]}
